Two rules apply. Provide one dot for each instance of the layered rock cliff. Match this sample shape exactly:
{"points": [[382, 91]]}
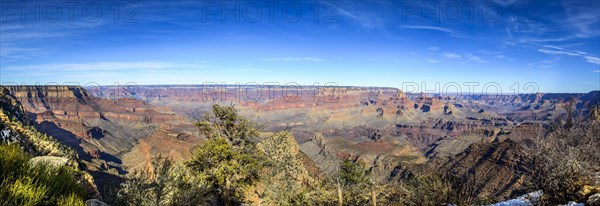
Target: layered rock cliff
{"points": [[99, 130], [16, 129]]}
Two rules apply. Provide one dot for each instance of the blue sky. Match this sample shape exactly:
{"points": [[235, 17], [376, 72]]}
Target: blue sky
{"points": [[554, 44]]}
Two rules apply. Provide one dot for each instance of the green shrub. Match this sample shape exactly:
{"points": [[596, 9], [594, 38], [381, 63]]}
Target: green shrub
{"points": [[23, 191], [229, 160], [566, 158], [134, 191], [228, 169], [12, 160], [71, 200], [26, 184], [169, 184], [57, 180]]}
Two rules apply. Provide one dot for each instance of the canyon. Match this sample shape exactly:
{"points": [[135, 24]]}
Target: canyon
{"points": [[116, 130]]}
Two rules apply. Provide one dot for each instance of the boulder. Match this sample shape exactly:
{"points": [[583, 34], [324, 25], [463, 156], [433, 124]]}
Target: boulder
{"points": [[514, 202], [49, 160], [594, 200], [95, 202], [528, 199], [574, 204]]}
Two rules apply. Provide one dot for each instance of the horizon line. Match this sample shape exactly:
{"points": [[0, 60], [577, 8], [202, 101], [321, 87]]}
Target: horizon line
{"points": [[298, 85]]}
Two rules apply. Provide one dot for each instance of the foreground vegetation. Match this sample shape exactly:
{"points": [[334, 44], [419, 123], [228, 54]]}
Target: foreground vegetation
{"points": [[566, 158], [25, 183]]}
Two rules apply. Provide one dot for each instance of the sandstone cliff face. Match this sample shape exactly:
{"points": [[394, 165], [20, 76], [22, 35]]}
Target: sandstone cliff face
{"points": [[11, 105], [68, 102], [74, 103], [163, 142], [16, 128], [97, 129]]}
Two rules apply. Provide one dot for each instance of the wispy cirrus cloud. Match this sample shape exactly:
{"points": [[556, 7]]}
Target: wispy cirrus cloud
{"points": [[560, 51], [582, 17], [433, 61], [101, 66], [431, 28], [25, 40], [505, 2], [293, 59], [467, 57], [366, 19], [450, 55], [545, 64], [20, 53], [475, 58], [345, 13], [593, 60], [575, 23], [433, 49]]}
